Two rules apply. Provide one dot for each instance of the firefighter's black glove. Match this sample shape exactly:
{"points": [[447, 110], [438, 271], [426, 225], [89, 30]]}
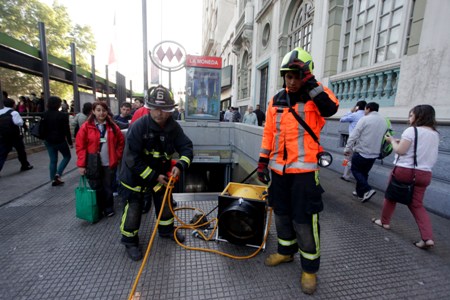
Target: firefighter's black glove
{"points": [[263, 171]]}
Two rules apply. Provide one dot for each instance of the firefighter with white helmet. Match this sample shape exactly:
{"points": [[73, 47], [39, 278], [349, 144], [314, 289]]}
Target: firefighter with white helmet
{"points": [[288, 159], [147, 165]]}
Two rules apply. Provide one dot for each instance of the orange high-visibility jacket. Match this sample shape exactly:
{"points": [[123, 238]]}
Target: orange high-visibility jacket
{"points": [[285, 142]]}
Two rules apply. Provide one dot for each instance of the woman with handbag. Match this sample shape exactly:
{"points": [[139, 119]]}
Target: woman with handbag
{"points": [[55, 130], [426, 141], [99, 145]]}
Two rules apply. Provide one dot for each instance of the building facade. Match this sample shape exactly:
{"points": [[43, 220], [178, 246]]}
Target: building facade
{"points": [[394, 52]]}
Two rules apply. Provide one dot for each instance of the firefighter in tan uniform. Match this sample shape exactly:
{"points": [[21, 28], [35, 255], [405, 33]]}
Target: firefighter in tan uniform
{"points": [[288, 158]]}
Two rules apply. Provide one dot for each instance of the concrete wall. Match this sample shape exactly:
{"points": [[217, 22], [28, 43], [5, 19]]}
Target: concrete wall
{"points": [[240, 144]]}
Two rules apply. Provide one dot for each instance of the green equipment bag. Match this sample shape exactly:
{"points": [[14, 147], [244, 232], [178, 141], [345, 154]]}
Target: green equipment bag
{"points": [[86, 202]]}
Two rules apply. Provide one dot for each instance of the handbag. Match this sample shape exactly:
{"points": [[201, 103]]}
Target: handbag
{"points": [[93, 170], [402, 192], [37, 130], [86, 202]]}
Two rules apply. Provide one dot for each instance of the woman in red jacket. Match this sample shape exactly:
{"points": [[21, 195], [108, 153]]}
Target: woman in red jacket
{"points": [[99, 134]]}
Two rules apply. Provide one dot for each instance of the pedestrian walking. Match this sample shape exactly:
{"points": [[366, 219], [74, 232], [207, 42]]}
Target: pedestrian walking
{"points": [[56, 130], [365, 143], [352, 117], [423, 118]]}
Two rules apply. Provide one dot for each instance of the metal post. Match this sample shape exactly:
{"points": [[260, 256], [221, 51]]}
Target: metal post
{"points": [[170, 79], [76, 93], [94, 82], [107, 85], [44, 58], [1, 96], [131, 90], [144, 39]]}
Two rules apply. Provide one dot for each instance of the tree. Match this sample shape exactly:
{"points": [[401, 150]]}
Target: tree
{"points": [[19, 19]]}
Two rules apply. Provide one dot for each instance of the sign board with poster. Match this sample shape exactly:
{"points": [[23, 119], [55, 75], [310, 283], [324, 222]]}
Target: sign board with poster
{"points": [[203, 75]]}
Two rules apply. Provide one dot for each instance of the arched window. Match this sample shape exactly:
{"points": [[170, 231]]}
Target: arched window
{"points": [[243, 76], [300, 29]]}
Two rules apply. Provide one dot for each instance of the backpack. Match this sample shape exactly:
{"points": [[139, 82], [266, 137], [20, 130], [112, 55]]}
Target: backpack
{"points": [[8, 129], [386, 147]]}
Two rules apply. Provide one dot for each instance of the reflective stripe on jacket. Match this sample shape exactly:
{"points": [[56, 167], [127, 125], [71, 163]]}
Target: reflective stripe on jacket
{"points": [[285, 142]]}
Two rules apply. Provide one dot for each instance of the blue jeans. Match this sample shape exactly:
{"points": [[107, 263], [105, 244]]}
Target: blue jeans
{"points": [[53, 155], [360, 169]]}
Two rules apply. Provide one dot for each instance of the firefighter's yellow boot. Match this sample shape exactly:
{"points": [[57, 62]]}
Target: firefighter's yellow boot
{"points": [[309, 283], [277, 258]]}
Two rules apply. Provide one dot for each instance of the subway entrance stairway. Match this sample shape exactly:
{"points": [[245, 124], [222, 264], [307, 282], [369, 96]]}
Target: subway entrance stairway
{"points": [[46, 253]]}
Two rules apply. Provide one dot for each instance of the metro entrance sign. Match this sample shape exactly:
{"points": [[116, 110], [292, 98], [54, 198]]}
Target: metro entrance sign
{"points": [[212, 62], [203, 75]]}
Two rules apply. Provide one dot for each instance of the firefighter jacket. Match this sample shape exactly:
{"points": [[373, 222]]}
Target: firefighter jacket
{"points": [[286, 145], [88, 141], [148, 152]]}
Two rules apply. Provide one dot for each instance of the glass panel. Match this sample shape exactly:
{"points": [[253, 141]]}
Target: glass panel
{"points": [[361, 19], [397, 17], [370, 14], [357, 49], [392, 51], [393, 36], [346, 39], [345, 52], [356, 62], [344, 65], [366, 45], [365, 60], [368, 29], [371, 3], [350, 12], [387, 6], [384, 23], [359, 34], [382, 39], [398, 3], [380, 55], [348, 26], [362, 5]]}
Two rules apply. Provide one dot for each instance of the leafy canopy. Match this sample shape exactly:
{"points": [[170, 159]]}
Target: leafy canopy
{"points": [[19, 19]]}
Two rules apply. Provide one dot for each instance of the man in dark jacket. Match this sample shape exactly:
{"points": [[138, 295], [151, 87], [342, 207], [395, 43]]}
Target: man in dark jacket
{"points": [[260, 115], [147, 166]]}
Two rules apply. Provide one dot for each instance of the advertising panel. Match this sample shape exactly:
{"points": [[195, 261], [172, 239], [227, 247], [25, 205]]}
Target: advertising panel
{"points": [[203, 75]]}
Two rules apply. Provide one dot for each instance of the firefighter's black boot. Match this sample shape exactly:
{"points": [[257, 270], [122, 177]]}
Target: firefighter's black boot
{"points": [[133, 252]]}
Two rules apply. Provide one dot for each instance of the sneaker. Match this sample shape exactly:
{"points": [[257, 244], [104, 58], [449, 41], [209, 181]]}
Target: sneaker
{"points": [[309, 283], [354, 193], [57, 181], [180, 236], [133, 252], [368, 195], [29, 167], [277, 258], [345, 178]]}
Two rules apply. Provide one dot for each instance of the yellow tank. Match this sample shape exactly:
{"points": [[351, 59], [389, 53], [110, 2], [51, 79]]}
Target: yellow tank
{"points": [[247, 191]]}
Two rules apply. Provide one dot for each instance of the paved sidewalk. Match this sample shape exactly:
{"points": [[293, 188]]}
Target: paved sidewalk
{"points": [[46, 253], [14, 184]]}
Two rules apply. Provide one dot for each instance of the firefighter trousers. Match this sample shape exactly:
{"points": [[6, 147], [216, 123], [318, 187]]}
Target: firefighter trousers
{"points": [[296, 201], [132, 213]]}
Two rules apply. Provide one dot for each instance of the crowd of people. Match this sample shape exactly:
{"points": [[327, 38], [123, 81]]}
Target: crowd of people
{"points": [[139, 164]]}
